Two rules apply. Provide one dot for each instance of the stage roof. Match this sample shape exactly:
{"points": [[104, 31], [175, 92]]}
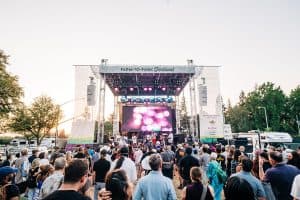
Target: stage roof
{"points": [[147, 80]]}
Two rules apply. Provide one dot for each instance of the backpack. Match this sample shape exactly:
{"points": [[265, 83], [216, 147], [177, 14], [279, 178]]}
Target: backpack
{"points": [[222, 176], [32, 179]]}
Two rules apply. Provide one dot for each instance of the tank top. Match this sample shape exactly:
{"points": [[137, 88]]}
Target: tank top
{"points": [[194, 191]]}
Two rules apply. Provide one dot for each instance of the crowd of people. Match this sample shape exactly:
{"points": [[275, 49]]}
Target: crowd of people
{"points": [[146, 171]]}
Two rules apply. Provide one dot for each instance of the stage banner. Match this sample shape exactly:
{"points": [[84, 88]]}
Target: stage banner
{"points": [[82, 132], [211, 126], [167, 69], [227, 132]]}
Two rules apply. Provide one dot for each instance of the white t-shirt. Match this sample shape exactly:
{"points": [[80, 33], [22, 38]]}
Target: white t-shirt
{"points": [[129, 167], [138, 154], [145, 163], [296, 187]]}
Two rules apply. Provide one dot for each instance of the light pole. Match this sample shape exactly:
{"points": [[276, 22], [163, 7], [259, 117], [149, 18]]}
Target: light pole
{"points": [[266, 117]]}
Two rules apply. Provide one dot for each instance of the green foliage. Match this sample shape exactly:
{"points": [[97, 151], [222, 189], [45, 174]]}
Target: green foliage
{"points": [[36, 120], [10, 91], [249, 113], [108, 127], [5, 140], [184, 118]]}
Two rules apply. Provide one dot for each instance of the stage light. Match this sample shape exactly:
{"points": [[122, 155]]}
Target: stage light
{"points": [[163, 89], [138, 116], [152, 100], [166, 113], [159, 115], [145, 89], [131, 89], [178, 88], [150, 89], [169, 100], [116, 89], [123, 99], [148, 121], [137, 122], [150, 113]]}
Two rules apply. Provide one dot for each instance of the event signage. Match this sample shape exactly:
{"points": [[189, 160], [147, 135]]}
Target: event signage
{"points": [[211, 126], [167, 69]]}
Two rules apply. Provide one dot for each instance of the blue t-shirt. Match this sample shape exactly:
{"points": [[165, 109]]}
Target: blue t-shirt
{"points": [[281, 178]]}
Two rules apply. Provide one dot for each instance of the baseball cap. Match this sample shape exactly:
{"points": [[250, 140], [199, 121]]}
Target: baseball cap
{"points": [[124, 150], [7, 170]]}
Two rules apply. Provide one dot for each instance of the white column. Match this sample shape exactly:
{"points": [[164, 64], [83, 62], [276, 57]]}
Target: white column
{"points": [[116, 117]]}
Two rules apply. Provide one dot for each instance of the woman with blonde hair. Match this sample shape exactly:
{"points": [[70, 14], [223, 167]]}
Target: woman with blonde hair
{"points": [[196, 190]]}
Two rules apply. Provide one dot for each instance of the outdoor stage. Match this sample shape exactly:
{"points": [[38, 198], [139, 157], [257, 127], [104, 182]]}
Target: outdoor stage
{"points": [[145, 99]]}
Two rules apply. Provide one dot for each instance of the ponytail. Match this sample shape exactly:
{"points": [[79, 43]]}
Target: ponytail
{"points": [[119, 162]]}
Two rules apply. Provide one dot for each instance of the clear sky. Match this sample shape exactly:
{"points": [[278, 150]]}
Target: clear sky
{"points": [[254, 41]]}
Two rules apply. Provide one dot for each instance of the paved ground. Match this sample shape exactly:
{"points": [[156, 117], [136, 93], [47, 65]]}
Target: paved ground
{"points": [[176, 184]]}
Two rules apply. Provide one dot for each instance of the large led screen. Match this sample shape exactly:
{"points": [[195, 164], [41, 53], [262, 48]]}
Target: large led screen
{"points": [[146, 118]]}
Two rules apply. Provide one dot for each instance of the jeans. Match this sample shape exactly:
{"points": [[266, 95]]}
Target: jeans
{"points": [[98, 187], [33, 193]]}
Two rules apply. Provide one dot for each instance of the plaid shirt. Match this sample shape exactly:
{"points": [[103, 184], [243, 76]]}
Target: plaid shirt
{"points": [[51, 184]]}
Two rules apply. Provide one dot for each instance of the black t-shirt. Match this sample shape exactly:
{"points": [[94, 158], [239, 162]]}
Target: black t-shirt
{"points": [[185, 165], [101, 167], [31, 158], [66, 194], [80, 155]]}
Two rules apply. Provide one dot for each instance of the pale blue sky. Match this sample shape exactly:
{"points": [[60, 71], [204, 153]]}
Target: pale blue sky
{"points": [[253, 40]]}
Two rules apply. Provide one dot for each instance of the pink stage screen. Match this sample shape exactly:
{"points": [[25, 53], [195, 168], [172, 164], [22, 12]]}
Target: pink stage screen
{"points": [[146, 118]]}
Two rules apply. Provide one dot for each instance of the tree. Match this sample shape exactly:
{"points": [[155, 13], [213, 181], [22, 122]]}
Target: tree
{"points": [[108, 127], [21, 122], [37, 119], [184, 118], [273, 99], [248, 115], [293, 110], [10, 91]]}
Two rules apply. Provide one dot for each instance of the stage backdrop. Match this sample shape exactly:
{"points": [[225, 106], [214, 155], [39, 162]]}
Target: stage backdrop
{"points": [[147, 118]]}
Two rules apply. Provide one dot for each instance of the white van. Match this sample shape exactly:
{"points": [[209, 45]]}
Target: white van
{"points": [[276, 139]]}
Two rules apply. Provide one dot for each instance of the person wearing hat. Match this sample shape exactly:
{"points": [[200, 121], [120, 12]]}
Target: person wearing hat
{"points": [[8, 191], [123, 162], [100, 168]]}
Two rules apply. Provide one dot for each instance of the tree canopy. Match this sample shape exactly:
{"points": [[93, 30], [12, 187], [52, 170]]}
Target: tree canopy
{"points": [[249, 112], [10, 91], [37, 119]]}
